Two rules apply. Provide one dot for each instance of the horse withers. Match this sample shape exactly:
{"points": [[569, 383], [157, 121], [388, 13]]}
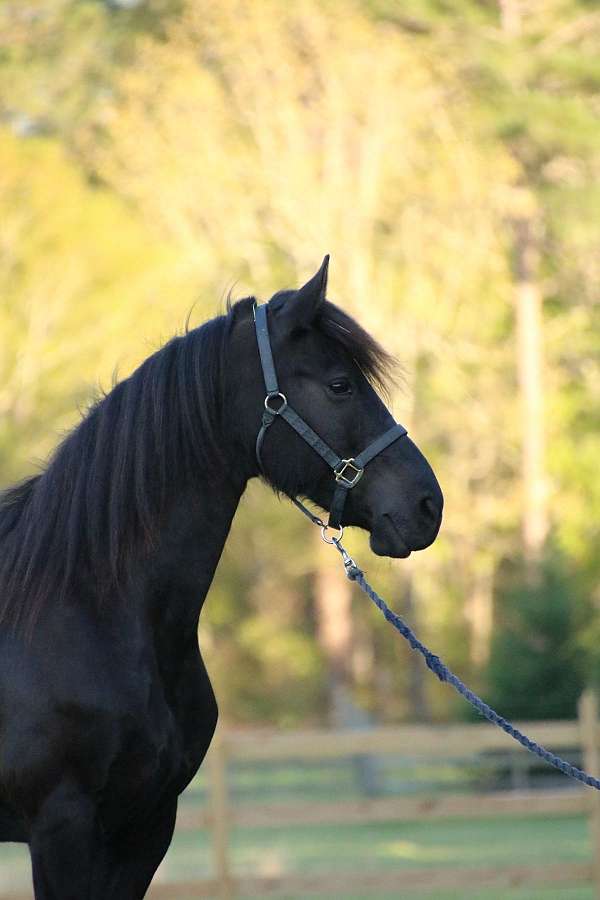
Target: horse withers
{"points": [[106, 708]]}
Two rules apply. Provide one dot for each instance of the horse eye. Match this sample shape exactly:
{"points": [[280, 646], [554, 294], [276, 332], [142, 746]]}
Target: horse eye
{"points": [[341, 386]]}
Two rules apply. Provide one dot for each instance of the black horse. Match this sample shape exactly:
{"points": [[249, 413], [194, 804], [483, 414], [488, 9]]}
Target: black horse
{"points": [[106, 708]]}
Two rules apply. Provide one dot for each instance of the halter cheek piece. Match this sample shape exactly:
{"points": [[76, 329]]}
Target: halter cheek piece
{"points": [[347, 472]]}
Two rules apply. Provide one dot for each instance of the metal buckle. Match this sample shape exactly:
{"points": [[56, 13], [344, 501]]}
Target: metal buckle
{"points": [[276, 395], [340, 473]]}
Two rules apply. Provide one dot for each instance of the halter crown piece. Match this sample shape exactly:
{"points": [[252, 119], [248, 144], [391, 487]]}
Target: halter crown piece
{"points": [[346, 471]]}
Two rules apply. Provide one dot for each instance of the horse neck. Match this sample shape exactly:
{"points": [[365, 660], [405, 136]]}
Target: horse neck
{"points": [[189, 546]]}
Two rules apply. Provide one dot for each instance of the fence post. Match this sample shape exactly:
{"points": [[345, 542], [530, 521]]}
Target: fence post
{"points": [[588, 721], [220, 815]]}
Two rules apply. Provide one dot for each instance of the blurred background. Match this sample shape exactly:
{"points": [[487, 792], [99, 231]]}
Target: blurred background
{"points": [[157, 154]]}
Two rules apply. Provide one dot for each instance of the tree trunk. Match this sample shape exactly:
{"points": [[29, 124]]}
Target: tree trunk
{"points": [[530, 359], [417, 696], [333, 605], [333, 599], [530, 369], [480, 615], [510, 16]]}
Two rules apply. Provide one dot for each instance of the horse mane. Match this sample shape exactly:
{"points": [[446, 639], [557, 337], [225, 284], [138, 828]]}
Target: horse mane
{"points": [[101, 497], [102, 494], [376, 364]]}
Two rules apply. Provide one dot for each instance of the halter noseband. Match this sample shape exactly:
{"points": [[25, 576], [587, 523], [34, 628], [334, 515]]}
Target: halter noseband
{"points": [[347, 472]]}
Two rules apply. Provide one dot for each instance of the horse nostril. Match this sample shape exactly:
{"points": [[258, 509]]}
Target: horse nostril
{"points": [[429, 509]]}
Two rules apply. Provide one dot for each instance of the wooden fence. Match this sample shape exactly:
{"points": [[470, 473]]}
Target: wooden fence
{"points": [[432, 742], [440, 743]]}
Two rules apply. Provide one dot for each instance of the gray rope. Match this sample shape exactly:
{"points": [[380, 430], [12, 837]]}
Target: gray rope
{"points": [[442, 671]]}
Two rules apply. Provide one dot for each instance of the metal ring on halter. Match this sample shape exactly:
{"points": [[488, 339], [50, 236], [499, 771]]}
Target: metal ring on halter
{"points": [[276, 395], [325, 528]]}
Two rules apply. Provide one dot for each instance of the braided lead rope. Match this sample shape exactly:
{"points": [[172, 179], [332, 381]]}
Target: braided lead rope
{"points": [[442, 671]]}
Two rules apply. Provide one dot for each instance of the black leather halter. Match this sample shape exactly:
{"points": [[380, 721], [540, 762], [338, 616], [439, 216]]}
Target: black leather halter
{"points": [[347, 472]]}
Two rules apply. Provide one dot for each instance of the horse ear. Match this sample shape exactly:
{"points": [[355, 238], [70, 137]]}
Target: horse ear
{"points": [[303, 306]]}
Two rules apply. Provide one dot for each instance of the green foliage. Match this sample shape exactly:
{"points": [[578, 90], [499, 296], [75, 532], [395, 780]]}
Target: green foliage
{"points": [[77, 272], [537, 670], [59, 58], [152, 155]]}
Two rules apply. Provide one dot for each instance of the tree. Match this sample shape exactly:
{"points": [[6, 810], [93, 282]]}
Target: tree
{"points": [[75, 280], [274, 173], [436, 154], [59, 59]]}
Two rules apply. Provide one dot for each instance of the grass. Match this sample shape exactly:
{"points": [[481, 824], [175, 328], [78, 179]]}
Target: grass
{"points": [[560, 893], [390, 846], [397, 846]]}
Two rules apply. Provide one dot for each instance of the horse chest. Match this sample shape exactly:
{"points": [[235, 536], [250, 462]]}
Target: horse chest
{"points": [[164, 741]]}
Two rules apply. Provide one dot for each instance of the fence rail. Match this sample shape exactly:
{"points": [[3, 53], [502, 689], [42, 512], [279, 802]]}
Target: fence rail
{"points": [[435, 743]]}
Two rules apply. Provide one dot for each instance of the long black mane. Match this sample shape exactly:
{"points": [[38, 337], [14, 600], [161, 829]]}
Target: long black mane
{"points": [[102, 495]]}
